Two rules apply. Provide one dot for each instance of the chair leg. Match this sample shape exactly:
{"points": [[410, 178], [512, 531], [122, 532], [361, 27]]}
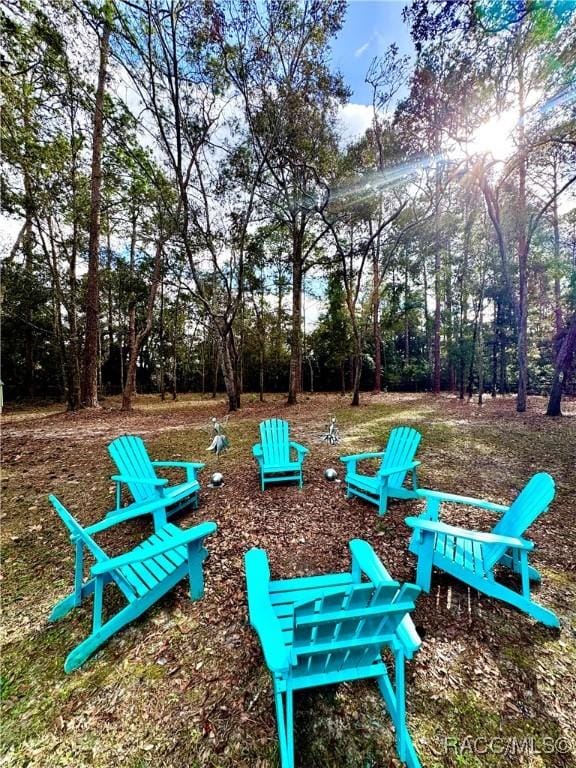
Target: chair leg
{"points": [[87, 647], [513, 563], [75, 598], [396, 705], [285, 722], [195, 572], [400, 723], [424, 573], [159, 517], [383, 502]]}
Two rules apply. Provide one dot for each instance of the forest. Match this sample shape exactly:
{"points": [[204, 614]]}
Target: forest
{"points": [[178, 192], [288, 385]]}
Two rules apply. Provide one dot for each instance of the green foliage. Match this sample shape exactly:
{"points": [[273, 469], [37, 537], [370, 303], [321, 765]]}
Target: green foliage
{"points": [[246, 219]]}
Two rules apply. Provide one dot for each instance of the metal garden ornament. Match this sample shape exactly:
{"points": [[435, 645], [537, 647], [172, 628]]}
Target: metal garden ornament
{"points": [[217, 480], [220, 442], [332, 435]]}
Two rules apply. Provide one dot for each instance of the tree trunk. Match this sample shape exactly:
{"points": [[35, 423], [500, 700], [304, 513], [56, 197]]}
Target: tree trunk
{"points": [[28, 247], [481, 353], [556, 229], [227, 360], [357, 367], [136, 340], [495, 347], [130, 384], [90, 378], [563, 363], [437, 324], [477, 316], [376, 320], [522, 256], [262, 364], [406, 317], [74, 366], [294, 383], [57, 303], [426, 315], [437, 285], [162, 383], [110, 306], [215, 370]]}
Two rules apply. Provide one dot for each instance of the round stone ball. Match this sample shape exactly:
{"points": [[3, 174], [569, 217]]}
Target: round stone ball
{"points": [[217, 479], [330, 474]]}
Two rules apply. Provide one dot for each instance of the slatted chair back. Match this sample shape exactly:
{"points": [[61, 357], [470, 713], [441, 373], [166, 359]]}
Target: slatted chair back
{"points": [[275, 440], [129, 454], [77, 532], [346, 630], [401, 448], [532, 500]]}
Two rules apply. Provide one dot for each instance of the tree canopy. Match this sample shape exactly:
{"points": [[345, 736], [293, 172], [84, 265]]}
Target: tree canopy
{"points": [[186, 214]]}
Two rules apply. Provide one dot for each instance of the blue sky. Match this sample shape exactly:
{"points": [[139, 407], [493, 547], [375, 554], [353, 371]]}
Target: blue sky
{"points": [[369, 28]]}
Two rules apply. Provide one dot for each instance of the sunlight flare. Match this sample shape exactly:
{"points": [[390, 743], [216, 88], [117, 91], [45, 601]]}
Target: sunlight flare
{"points": [[495, 136]]}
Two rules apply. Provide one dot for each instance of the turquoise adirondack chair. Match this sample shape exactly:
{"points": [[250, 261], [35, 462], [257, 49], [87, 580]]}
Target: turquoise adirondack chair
{"points": [[472, 556], [129, 454], [322, 630], [143, 575], [274, 457], [397, 461]]}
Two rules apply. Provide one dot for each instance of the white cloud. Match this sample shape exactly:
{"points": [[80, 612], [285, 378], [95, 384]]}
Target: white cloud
{"points": [[354, 120], [360, 51]]}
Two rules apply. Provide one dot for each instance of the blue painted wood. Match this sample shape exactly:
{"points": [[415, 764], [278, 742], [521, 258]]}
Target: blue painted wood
{"points": [[143, 575], [279, 459], [388, 482], [322, 630], [472, 556], [138, 473]]}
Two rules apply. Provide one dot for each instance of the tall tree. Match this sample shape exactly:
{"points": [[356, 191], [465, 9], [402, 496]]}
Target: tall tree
{"points": [[289, 97], [92, 334]]}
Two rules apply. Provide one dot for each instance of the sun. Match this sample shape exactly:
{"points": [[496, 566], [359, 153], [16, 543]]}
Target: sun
{"points": [[495, 136]]}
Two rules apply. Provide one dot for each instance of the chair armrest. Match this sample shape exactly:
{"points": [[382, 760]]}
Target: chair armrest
{"points": [[195, 464], [432, 526], [451, 498], [157, 481], [191, 467], [257, 450], [361, 457], [404, 468], [364, 559], [300, 449], [261, 614], [198, 532], [128, 513]]}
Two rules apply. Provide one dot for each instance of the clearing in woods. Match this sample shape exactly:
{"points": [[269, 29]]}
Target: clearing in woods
{"points": [[186, 685]]}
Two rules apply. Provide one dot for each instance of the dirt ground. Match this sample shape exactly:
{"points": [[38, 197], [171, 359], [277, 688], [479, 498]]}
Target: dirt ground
{"points": [[186, 685]]}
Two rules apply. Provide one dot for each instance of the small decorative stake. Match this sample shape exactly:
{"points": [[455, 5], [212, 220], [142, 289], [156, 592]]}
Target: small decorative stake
{"points": [[330, 474], [216, 480], [219, 440], [332, 435]]}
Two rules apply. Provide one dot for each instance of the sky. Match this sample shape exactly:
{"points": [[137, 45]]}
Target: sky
{"points": [[370, 27]]}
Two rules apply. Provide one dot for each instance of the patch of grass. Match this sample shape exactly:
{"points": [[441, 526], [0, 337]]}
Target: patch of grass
{"points": [[187, 684]]}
